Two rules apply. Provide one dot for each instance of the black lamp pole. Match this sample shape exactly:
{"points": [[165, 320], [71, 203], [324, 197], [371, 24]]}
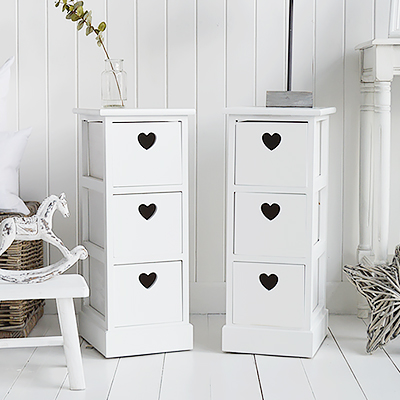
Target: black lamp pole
{"points": [[290, 44], [289, 98]]}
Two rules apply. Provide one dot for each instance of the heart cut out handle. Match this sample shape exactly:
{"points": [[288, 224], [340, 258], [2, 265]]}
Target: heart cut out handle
{"points": [[271, 141], [146, 141], [148, 280], [147, 211], [268, 281], [270, 211]]}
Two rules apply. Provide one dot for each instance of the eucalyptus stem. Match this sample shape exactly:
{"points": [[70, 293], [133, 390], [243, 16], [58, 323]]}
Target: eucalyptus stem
{"points": [[76, 13]]}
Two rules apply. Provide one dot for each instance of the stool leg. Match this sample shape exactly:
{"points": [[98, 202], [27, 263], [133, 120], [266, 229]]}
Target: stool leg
{"points": [[69, 331]]}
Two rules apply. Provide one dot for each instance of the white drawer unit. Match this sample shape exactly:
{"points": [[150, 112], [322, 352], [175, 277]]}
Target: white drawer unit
{"points": [[276, 216], [133, 196]]}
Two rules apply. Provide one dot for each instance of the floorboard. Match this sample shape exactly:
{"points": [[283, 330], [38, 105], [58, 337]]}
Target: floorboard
{"points": [[233, 376], [99, 375], [275, 372], [138, 377], [44, 374], [14, 361], [376, 374], [329, 375], [341, 369], [187, 374]]}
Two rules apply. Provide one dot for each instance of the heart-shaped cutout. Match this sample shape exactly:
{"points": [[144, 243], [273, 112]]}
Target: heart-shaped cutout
{"points": [[268, 281], [270, 211], [147, 211], [148, 280], [271, 141], [146, 141]]}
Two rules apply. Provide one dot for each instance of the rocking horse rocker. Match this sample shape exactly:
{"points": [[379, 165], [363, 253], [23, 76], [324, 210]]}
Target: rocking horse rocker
{"points": [[38, 227]]}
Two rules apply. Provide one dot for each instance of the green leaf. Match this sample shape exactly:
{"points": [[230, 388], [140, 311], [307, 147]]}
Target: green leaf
{"points": [[65, 2], [75, 17], [64, 7], [99, 43], [102, 26], [85, 15], [78, 4], [79, 11], [58, 3], [80, 24], [89, 30], [69, 15]]}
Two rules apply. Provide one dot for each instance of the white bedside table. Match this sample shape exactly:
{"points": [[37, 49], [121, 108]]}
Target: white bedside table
{"points": [[276, 213], [133, 196]]}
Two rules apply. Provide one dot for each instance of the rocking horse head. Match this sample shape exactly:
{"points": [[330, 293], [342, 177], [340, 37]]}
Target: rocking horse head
{"points": [[62, 205], [51, 204]]}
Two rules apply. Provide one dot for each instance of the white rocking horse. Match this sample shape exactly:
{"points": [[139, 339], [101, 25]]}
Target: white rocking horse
{"points": [[38, 227]]}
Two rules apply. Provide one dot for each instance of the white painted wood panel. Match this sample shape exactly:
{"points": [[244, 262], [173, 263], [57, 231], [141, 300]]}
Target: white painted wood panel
{"points": [[210, 140], [151, 53], [181, 54], [122, 41], [303, 45], [9, 48], [90, 58], [359, 27], [61, 136], [329, 89], [240, 52], [381, 18], [32, 97], [270, 48]]}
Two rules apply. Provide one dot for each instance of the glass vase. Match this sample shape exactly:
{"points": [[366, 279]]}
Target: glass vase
{"points": [[113, 84]]}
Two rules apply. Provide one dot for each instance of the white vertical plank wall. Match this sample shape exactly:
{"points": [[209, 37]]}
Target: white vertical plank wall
{"points": [[329, 89], [206, 55]]}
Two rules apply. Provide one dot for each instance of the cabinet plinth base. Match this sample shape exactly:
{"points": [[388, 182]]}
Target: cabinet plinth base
{"points": [[277, 342], [137, 340]]}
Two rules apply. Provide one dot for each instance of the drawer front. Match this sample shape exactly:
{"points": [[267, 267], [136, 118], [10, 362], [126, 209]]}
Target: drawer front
{"points": [[148, 293], [270, 224], [273, 154], [268, 294], [147, 153], [147, 225]]}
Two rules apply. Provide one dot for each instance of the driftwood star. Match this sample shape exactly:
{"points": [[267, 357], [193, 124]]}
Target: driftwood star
{"points": [[380, 285]]}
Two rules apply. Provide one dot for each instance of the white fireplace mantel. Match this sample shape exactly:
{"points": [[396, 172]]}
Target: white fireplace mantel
{"points": [[379, 63]]}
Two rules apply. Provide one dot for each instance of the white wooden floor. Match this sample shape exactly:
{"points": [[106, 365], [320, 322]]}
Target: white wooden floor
{"points": [[340, 370]]}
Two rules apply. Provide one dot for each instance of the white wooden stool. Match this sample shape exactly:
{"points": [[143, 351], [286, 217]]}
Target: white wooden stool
{"points": [[63, 288]]}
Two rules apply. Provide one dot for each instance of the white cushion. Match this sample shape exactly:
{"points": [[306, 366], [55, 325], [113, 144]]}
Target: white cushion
{"points": [[12, 146], [5, 73]]}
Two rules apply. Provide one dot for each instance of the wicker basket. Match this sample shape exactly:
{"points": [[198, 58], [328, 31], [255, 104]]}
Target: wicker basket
{"points": [[18, 317]]}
